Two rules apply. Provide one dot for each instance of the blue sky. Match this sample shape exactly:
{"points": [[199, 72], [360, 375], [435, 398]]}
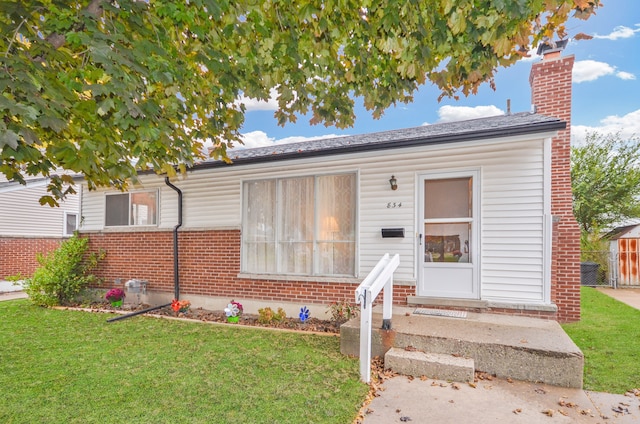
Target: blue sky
{"points": [[606, 89]]}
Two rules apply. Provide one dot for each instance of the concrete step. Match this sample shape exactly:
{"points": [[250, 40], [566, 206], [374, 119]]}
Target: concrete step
{"points": [[520, 348], [431, 365]]}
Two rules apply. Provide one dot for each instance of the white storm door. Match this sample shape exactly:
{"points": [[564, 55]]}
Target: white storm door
{"points": [[449, 221]]}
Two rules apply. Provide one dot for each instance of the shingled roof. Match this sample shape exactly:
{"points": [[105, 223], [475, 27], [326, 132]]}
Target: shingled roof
{"points": [[450, 132]]}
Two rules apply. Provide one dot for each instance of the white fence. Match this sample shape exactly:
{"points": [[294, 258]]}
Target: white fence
{"points": [[380, 277]]}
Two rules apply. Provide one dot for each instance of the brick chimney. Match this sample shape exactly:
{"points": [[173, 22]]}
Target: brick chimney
{"points": [[550, 81]]}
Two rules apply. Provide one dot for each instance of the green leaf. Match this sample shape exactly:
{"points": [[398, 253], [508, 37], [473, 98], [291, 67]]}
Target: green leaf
{"points": [[8, 138], [105, 107], [52, 123]]}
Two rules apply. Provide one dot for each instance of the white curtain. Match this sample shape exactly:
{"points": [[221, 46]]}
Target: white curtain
{"points": [[336, 224], [259, 236], [295, 219], [300, 225]]}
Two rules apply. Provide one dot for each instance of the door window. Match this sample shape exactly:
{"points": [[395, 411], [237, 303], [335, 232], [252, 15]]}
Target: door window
{"points": [[448, 219]]}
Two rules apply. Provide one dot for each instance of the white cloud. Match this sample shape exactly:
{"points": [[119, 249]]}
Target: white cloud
{"points": [[449, 113], [590, 70], [255, 104], [627, 125], [261, 139], [625, 75], [619, 32]]}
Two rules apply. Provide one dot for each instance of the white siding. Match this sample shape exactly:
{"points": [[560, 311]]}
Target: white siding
{"points": [[512, 205], [22, 215]]}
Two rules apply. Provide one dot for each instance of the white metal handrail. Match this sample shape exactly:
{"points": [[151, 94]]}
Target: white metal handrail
{"points": [[381, 276]]}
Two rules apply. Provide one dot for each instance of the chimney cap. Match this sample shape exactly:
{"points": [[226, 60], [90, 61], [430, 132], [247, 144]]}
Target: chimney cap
{"points": [[547, 47]]}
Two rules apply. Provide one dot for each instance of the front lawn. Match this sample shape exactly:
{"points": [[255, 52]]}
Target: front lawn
{"points": [[61, 366], [609, 336]]}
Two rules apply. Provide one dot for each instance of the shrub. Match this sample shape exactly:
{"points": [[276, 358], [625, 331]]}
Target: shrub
{"points": [[63, 273], [267, 316], [342, 311]]}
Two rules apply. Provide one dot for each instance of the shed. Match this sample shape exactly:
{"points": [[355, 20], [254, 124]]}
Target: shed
{"points": [[624, 248]]}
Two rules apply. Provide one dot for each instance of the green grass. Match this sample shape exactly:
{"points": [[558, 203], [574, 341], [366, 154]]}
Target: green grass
{"points": [[61, 366], [609, 336]]}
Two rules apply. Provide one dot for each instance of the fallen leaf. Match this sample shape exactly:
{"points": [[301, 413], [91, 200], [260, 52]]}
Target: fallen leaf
{"points": [[586, 412], [517, 411], [405, 419], [524, 341], [423, 378], [548, 412], [566, 414], [455, 386], [620, 409], [474, 385], [562, 402], [479, 375], [540, 391], [509, 380], [398, 411]]}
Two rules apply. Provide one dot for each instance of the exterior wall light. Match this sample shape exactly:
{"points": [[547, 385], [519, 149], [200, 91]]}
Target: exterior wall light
{"points": [[394, 183]]}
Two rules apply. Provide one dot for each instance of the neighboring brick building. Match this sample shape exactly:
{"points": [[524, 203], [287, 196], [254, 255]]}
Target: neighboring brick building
{"points": [[479, 212]]}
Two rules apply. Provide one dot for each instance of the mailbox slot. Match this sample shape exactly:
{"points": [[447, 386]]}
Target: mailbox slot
{"points": [[393, 233]]}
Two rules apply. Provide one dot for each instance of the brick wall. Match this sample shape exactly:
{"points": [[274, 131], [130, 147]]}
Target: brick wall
{"points": [[18, 254], [209, 266], [551, 94]]}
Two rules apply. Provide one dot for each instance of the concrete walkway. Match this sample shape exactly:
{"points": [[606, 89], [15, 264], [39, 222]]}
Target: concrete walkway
{"points": [[496, 401], [402, 399], [629, 296]]}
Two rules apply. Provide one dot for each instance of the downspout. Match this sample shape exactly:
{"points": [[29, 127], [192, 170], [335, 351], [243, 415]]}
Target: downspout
{"points": [[176, 266], [176, 274]]}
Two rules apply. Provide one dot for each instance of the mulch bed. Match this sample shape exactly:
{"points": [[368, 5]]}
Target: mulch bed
{"points": [[311, 325]]}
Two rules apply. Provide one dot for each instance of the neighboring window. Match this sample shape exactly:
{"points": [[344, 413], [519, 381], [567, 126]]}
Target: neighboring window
{"points": [[302, 226], [139, 208], [70, 223]]}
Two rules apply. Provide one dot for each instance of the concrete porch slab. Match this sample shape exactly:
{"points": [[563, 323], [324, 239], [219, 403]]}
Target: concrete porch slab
{"points": [[520, 348]]}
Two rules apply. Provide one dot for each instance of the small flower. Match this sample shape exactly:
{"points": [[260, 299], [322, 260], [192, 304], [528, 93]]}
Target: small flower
{"points": [[115, 295], [304, 314], [180, 305]]}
